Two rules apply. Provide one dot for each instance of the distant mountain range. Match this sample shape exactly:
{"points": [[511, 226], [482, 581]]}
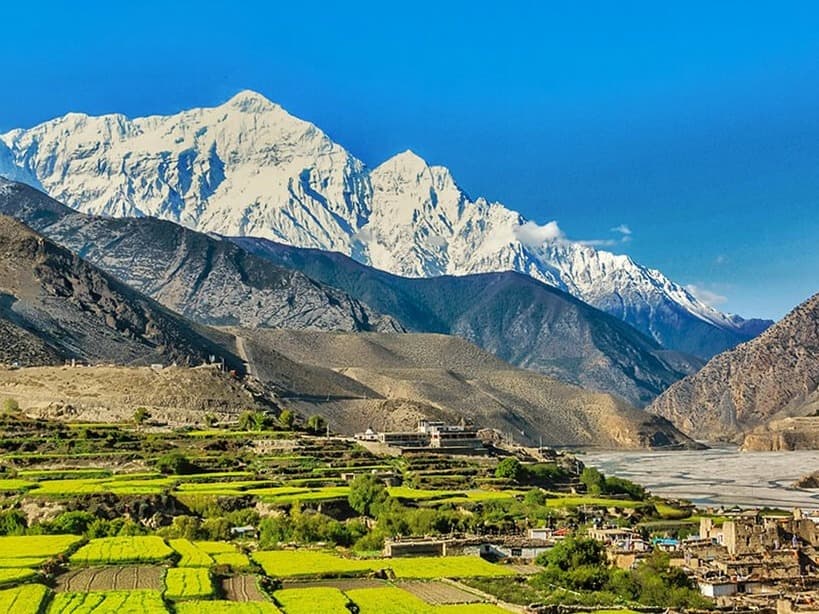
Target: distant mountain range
{"points": [[762, 384], [248, 168], [55, 306], [257, 283], [519, 319]]}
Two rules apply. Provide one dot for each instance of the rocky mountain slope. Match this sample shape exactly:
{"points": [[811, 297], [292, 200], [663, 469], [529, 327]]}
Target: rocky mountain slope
{"points": [[773, 377], [56, 306], [202, 277], [515, 317], [254, 284], [249, 168], [390, 381]]}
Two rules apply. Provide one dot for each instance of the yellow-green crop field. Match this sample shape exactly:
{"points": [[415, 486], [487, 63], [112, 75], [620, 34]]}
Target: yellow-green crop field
{"points": [[29, 548], [445, 567], [236, 560], [188, 583], [191, 554], [100, 602], [26, 599], [326, 600], [470, 608], [226, 607], [113, 550], [388, 600], [13, 575], [285, 563]]}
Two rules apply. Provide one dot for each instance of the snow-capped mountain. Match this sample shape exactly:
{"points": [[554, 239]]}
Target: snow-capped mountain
{"points": [[248, 168]]}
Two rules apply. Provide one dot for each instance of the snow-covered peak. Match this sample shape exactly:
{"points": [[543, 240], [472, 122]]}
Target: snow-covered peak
{"points": [[249, 101], [247, 167]]}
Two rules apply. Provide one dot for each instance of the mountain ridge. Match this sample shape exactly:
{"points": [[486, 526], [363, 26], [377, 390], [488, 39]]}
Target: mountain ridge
{"points": [[249, 168], [519, 319], [205, 278]]}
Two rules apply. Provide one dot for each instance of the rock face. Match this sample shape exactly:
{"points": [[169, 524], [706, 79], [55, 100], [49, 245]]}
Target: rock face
{"points": [[772, 377], [517, 318], [57, 306], [204, 278], [248, 168], [786, 434], [382, 381]]}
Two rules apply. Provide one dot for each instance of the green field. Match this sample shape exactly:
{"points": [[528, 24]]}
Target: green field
{"points": [[188, 583], [40, 547], [191, 554], [225, 607], [113, 550], [388, 600], [284, 563], [445, 567], [12, 575], [312, 600], [471, 608], [26, 599], [236, 560], [104, 602]]}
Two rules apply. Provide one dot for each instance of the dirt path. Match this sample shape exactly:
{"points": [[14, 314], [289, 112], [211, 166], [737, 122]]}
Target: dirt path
{"points": [[241, 350]]}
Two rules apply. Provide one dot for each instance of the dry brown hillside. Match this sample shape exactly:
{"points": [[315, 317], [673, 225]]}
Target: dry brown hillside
{"points": [[391, 380], [174, 395]]}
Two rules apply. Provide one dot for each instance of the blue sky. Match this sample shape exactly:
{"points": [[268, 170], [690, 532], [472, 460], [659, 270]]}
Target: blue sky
{"points": [[695, 124]]}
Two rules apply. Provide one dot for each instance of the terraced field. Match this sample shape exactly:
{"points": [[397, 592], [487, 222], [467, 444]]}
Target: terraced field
{"points": [[388, 600], [112, 550], [312, 600], [225, 607], [26, 599], [439, 593], [10, 576], [123, 577], [121, 602], [283, 563], [242, 588], [445, 567], [34, 550], [188, 583], [191, 554]]}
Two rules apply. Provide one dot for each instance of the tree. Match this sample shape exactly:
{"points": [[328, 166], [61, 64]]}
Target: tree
{"points": [[287, 418], [10, 406], [210, 420], [509, 468], [175, 463], [367, 493], [593, 480], [253, 420], [76, 522], [316, 424], [535, 498], [141, 415]]}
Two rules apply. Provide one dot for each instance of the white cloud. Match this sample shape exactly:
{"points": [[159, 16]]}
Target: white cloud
{"points": [[622, 229], [721, 259], [532, 234], [709, 297], [600, 242]]}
